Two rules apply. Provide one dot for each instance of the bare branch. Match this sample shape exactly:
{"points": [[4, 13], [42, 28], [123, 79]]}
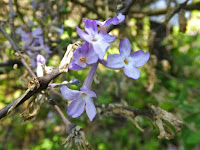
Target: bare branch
{"points": [[65, 120]]}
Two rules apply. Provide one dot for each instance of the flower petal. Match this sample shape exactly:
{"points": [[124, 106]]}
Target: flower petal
{"points": [[125, 48], [91, 56], [139, 58], [120, 18], [41, 40], [100, 48], [68, 93], [40, 59], [115, 61], [84, 49], [26, 36], [90, 26], [47, 49], [84, 35], [81, 51], [35, 43], [76, 107], [81, 64], [90, 109], [116, 20], [73, 66], [131, 72], [80, 110], [77, 54], [37, 32], [19, 30], [108, 38]]}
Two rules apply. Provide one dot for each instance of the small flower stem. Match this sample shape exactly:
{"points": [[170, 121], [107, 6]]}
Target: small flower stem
{"points": [[88, 81]]}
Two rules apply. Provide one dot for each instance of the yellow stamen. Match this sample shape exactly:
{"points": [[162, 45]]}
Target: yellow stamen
{"points": [[83, 94], [83, 59], [126, 62], [94, 40]]}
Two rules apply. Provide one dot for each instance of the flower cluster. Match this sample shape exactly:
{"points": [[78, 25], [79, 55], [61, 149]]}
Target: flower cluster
{"points": [[97, 42], [33, 43]]}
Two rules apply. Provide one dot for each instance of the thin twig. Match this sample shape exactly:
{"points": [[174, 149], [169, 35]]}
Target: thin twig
{"points": [[67, 123], [15, 47], [11, 17], [65, 120], [27, 67]]}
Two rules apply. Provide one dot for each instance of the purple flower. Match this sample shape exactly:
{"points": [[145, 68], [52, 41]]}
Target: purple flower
{"points": [[99, 41], [47, 49], [116, 20], [37, 32], [127, 61], [81, 99], [28, 37], [83, 56], [40, 59]]}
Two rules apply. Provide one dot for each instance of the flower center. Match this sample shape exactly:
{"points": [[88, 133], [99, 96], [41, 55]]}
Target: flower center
{"points": [[83, 94], [94, 40], [83, 59], [126, 62]]}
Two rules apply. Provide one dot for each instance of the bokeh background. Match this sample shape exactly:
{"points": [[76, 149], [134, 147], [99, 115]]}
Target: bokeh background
{"points": [[170, 79]]}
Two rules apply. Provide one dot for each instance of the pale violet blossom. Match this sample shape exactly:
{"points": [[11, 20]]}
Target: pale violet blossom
{"points": [[83, 57], [99, 41], [81, 100], [127, 60]]}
